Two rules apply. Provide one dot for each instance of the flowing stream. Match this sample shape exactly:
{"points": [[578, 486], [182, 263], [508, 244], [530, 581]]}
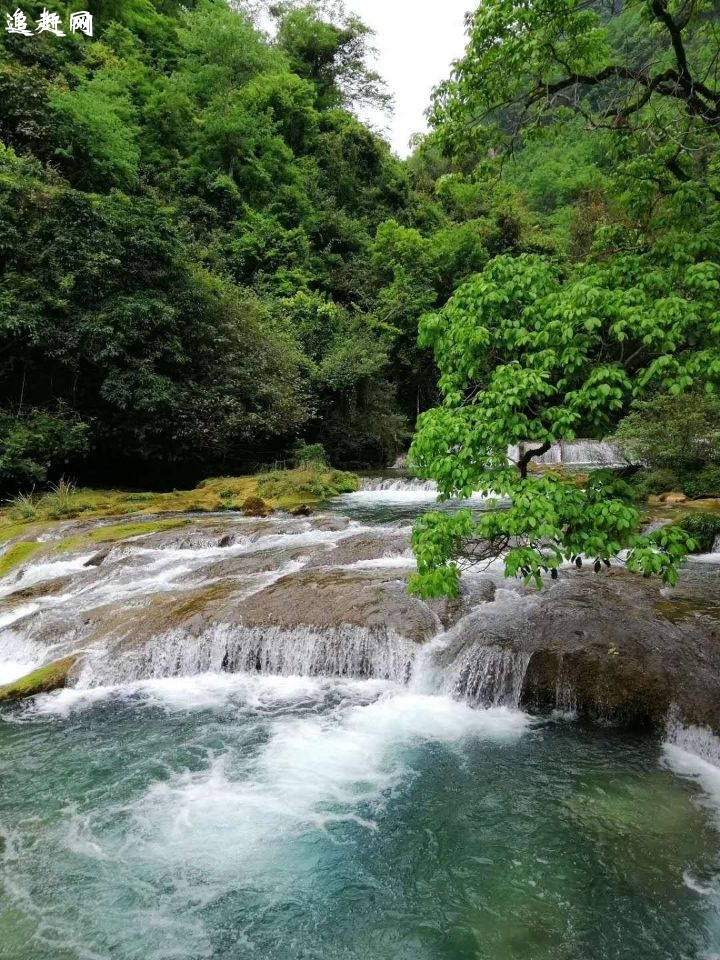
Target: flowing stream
{"points": [[264, 793]]}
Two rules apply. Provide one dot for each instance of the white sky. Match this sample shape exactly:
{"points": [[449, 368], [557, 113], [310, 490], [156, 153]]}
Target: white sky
{"points": [[417, 40]]}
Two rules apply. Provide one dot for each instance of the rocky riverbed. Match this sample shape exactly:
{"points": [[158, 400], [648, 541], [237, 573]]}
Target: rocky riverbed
{"points": [[327, 595]]}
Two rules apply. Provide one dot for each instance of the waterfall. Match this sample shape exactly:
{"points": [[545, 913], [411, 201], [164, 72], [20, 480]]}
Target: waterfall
{"points": [[347, 651], [483, 676], [565, 694], [716, 544], [697, 741], [573, 453], [488, 676], [578, 453], [398, 484]]}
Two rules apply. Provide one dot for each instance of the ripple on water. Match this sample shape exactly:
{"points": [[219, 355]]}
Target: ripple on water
{"points": [[295, 817]]}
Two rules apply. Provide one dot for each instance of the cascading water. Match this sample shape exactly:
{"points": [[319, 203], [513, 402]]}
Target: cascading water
{"points": [[346, 651], [398, 484], [488, 676], [575, 453]]}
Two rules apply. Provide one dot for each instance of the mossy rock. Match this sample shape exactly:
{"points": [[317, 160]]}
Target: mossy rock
{"points": [[17, 554], [255, 507], [49, 677], [118, 532]]}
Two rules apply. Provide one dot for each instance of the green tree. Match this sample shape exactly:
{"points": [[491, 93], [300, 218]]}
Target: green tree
{"points": [[529, 356], [608, 62], [536, 350], [332, 52]]}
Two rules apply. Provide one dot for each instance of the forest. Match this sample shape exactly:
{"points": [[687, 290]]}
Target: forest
{"points": [[207, 257]]}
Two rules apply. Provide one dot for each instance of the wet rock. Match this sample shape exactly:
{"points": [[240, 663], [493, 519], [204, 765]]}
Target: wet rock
{"points": [[473, 591], [613, 646], [196, 624], [330, 522], [334, 598], [99, 558], [363, 547], [302, 511]]}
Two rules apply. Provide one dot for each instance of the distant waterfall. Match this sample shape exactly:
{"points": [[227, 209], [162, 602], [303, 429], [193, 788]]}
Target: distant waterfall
{"points": [[398, 484], [571, 453], [578, 453], [716, 544]]}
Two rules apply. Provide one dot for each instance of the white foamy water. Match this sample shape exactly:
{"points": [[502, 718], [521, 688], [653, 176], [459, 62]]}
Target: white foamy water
{"points": [[11, 670], [313, 770], [207, 691], [405, 492], [344, 651], [18, 655], [17, 613], [48, 570], [694, 752]]}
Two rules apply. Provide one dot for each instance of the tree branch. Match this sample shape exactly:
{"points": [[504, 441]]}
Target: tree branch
{"points": [[528, 455]]}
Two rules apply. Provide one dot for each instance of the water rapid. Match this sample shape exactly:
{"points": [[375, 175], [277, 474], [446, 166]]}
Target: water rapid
{"points": [[268, 750]]}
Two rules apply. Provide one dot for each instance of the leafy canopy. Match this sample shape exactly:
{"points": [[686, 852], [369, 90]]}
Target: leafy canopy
{"points": [[529, 356], [536, 350]]}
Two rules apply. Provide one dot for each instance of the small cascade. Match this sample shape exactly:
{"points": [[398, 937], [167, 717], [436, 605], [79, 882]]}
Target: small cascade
{"points": [[699, 742], [565, 694], [397, 485], [654, 525], [347, 651], [488, 676], [716, 544]]}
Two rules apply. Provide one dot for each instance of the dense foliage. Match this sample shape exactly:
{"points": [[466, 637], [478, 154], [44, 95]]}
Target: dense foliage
{"points": [[208, 262], [616, 107], [204, 254], [677, 437]]}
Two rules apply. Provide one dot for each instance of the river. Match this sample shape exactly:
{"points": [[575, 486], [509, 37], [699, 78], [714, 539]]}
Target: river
{"points": [[182, 804]]}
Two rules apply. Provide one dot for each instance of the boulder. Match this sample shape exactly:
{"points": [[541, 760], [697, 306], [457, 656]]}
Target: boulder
{"points": [[611, 645], [669, 498]]}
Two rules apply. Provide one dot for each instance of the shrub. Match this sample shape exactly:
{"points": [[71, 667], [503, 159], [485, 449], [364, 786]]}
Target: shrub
{"points": [[60, 501], [309, 454], [704, 483], [704, 528], [311, 483], [35, 444], [24, 506], [652, 482], [678, 433]]}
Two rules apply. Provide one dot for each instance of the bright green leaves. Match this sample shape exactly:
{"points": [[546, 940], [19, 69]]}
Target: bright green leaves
{"points": [[510, 42], [661, 553], [549, 522], [527, 356], [437, 537]]}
